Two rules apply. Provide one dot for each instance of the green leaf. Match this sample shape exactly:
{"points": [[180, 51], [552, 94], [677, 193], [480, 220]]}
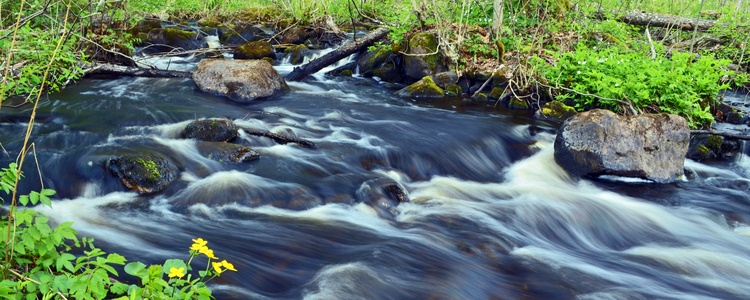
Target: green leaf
{"points": [[134, 267]]}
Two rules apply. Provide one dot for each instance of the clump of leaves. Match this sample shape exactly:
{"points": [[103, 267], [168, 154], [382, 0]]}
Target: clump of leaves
{"points": [[681, 84]]}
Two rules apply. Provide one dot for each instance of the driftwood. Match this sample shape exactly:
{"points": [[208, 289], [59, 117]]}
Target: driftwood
{"points": [[336, 55], [106, 69], [280, 138], [721, 133], [658, 20]]}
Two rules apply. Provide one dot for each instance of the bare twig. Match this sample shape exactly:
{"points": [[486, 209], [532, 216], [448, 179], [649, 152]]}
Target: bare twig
{"points": [[651, 43]]}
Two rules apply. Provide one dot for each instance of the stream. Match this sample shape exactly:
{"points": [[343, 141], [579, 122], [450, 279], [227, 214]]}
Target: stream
{"points": [[490, 214]]}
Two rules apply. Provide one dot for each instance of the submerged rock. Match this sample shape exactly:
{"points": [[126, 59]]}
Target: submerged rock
{"points": [[555, 111], [599, 142], [144, 173], [166, 39], [425, 88], [240, 80], [226, 152], [211, 130], [382, 194], [254, 50]]}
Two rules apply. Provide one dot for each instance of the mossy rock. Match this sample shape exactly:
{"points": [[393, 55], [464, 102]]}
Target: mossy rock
{"points": [[296, 53], [374, 59], [174, 37], [481, 97], [268, 59], [701, 152], [500, 47], [211, 130], [209, 22], [227, 152], [453, 90], [144, 173], [518, 103], [389, 73], [555, 111], [498, 78], [254, 50], [496, 93], [424, 88], [422, 65], [714, 142]]}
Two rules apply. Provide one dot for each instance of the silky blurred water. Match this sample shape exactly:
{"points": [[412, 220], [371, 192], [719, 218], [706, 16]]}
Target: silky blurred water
{"points": [[491, 215]]}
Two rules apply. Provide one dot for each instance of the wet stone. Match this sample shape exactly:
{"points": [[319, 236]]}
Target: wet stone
{"points": [[144, 173], [211, 130]]}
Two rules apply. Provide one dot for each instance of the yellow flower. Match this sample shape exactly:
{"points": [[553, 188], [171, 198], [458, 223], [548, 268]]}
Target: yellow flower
{"points": [[207, 252], [175, 272], [228, 265], [217, 267], [199, 243]]}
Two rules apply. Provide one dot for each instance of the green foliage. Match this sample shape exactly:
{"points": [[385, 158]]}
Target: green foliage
{"points": [[38, 262], [678, 85]]}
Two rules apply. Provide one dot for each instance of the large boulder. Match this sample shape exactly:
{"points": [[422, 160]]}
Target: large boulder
{"points": [[144, 173], [600, 142], [210, 130], [166, 39], [240, 80], [418, 66]]}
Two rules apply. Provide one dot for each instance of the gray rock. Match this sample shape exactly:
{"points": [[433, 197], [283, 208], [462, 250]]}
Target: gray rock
{"points": [[144, 173], [599, 142], [240, 80], [230, 34], [445, 79], [211, 130]]}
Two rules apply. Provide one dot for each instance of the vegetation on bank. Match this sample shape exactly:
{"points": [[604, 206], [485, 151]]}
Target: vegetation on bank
{"points": [[574, 51]]}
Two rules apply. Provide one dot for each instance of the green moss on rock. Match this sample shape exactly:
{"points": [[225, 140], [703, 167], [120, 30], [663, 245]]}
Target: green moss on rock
{"points": [[208, 22], [373, 59], [714, 142], [296, 54], [481, 97], [496, 93], [557, 110], [453, 90], [346, 73], [152, 172], [518, 103], [424, 88], [268, 59], [254, 50], [701, 152]]}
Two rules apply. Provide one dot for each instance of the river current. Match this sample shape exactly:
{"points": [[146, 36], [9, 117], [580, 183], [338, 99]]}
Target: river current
{"points": [[490, 214]]}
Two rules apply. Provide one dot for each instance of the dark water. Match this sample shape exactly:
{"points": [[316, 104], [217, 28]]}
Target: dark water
{"points": [[491, 216]]}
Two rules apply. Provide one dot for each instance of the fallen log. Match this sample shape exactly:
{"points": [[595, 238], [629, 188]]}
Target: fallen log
{"points": [[106, 69], [280, 138], [721, 133], [336, 55], [657, 20]]}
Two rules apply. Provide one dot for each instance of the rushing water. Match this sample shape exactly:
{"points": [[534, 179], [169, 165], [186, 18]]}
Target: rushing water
{"points": [[491, 215]]}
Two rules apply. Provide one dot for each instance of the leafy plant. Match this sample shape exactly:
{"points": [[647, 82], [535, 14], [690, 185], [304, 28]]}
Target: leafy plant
{"points": [[680, 85]]}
